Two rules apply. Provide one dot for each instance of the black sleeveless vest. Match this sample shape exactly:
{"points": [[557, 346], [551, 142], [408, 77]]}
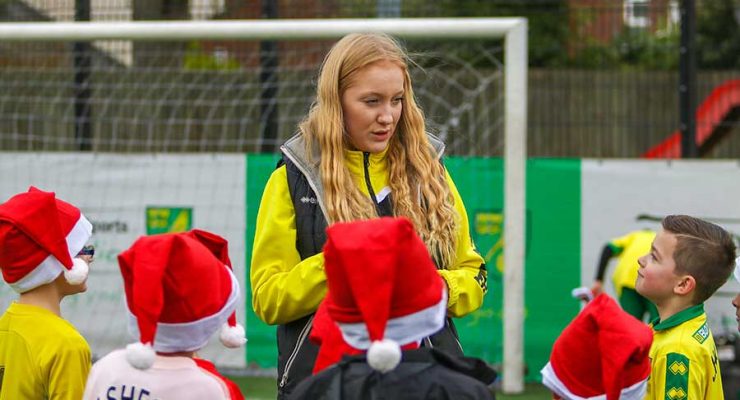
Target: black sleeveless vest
{"points": [[296, 354]]}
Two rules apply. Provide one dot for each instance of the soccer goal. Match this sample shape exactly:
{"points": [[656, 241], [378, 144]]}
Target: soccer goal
{"points": [[159, 126]]}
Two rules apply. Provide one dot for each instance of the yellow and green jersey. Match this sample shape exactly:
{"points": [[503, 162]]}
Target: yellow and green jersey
{"points": [[683, 359], [42, 356], [629, 248]]}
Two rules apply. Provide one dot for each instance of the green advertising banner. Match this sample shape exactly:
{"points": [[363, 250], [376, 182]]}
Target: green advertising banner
{"points": [[262, 345], [552, 254]]}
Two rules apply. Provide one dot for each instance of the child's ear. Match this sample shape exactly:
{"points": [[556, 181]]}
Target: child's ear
{"points": [[685, 285]]}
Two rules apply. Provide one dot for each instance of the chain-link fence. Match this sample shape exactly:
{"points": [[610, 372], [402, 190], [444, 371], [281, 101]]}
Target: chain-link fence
{"points": [[603, 75], [214, 96]]}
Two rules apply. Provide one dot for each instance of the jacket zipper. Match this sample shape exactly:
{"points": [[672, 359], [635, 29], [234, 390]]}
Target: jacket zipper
{"points": [[301, 338], [366, 159], [428, 342], [459, 345]]}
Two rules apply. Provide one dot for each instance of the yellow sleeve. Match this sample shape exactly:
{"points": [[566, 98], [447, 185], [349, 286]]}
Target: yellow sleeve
{"points": [[677, 375], [467, 278], [656, 380], [68, 371], [284, 288]]}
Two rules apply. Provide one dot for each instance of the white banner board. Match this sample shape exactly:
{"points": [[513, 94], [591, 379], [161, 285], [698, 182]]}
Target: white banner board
{"points": [[615, 192], [125, 197]]}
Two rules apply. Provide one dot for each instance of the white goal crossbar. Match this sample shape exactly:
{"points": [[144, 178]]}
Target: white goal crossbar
{"points": [[293, 29], [512, 30]]}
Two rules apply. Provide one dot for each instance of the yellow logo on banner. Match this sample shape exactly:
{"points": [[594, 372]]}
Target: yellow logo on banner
{"points": [[490, 224], [168, 220]]}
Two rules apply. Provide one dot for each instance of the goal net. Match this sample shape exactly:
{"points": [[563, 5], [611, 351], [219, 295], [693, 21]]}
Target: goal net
{"points": [[162, 126], [184, 94]]}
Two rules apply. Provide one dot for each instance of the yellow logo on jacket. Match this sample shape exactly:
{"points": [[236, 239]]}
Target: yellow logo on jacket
{"points": [[701, 334], [678, 368], [676, 393]]}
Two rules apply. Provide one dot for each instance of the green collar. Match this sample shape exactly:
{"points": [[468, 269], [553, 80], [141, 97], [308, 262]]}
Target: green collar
{"points": [[678, 318]]}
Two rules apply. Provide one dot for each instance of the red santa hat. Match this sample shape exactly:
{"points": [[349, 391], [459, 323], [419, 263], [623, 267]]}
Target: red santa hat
{"points": [[602, 353], [40, 236], [180, 289], [383, 288]]}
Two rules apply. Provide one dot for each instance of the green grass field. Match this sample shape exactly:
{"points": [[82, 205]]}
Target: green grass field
{"points": [[261, 388]]}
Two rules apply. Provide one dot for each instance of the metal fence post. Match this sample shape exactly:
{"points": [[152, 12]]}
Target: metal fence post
{"points": [[687, 80], [82, 65], [268, 84]]}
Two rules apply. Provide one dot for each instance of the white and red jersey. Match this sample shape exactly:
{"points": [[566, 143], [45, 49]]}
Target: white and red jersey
{"points": [[112, 377]]}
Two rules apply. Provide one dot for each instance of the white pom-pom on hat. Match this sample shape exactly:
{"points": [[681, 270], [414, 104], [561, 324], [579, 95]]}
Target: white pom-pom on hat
{"points": [[232, 336], [384, 355], [140, 355], [172, 267], [44, 228], [381, 260], [78, 273]]}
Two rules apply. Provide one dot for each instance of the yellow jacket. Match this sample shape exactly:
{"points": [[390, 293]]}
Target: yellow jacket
{"points": [[630, 247], [285, 288]]}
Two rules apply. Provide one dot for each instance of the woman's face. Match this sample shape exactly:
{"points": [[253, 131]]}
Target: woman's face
{"points": [[372, 106]]}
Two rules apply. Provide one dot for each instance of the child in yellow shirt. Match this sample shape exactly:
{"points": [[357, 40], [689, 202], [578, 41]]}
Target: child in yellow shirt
{"points": [[42, 356], [627, 249], [688, 261]]}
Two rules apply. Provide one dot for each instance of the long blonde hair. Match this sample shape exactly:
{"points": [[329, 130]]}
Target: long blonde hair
{"points": [[419, 188]]}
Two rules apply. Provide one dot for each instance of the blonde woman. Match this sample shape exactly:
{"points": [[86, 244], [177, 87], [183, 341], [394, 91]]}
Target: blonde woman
{"points": [[361, 152]]}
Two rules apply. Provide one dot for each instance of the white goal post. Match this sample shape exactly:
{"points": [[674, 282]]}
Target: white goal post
{"points": [[512, 30]]}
